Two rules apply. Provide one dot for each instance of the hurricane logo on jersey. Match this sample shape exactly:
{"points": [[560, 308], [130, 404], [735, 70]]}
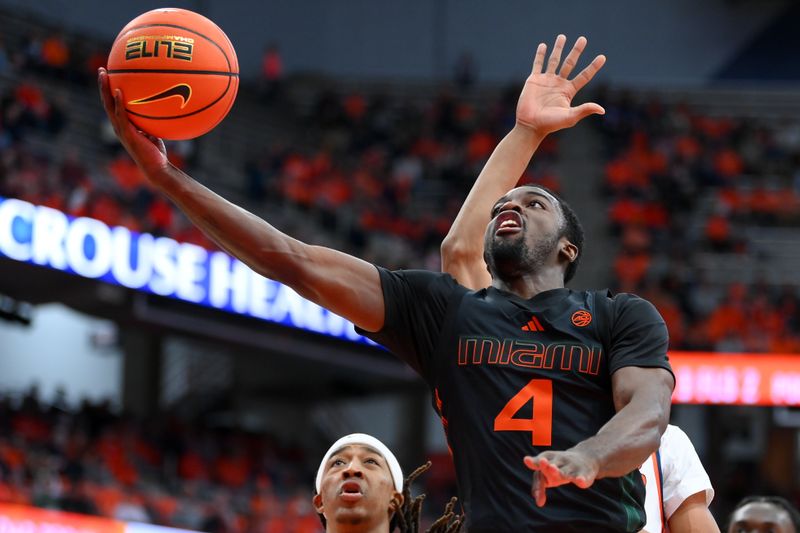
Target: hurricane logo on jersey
{"points": [[581, 318]]}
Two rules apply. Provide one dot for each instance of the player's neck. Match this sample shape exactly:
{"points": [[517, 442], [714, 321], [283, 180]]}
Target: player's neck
{"points": [[529, 285]]}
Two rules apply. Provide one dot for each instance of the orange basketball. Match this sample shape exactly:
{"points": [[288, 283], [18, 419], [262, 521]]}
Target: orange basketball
{"points": [[177, 70]]}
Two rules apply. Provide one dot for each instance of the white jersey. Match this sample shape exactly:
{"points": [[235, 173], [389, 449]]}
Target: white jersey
{"points": [[671, 475]]}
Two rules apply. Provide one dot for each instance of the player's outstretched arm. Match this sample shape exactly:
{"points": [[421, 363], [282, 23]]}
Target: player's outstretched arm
{"points": [[642, 400], [344, 284], [544, 106]]}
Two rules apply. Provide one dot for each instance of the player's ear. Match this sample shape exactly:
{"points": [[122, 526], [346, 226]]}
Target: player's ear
{"points": [[567, 250], [317, 501], [395, 503]]}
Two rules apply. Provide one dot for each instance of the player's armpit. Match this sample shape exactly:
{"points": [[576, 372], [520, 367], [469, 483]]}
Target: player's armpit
{"points": [[468, 268], [693, 516]]}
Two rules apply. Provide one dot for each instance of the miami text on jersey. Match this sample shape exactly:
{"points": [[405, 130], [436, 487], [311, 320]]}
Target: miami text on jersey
{"points": [[529, 354]]}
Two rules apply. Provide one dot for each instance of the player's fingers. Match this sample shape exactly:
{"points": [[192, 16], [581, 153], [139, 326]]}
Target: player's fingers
{"points": [[584, 110], [545, 465], [583, 482], [531, 462], [545, 469], [552, 474], [118, 106], [542, 497], [538, 59], [120, 112], [155, 140], [122, 124], [588, 73], [535, 483], [159, 144], [555, 55], [538, 489], [572, 57], [105, 94]]}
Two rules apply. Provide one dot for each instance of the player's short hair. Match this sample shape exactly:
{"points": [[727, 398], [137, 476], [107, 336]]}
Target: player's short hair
{"points": [[777, 501], [572, 230]]}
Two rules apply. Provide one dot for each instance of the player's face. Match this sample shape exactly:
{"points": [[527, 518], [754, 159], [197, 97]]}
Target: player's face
{"points": [[356, 491], [761, 517], [524, 232]]}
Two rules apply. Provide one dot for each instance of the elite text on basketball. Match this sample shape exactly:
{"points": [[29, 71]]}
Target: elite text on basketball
{"points": [[169, 46]]}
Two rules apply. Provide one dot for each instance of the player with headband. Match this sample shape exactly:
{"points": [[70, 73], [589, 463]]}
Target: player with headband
{"points": [[360, 489]]}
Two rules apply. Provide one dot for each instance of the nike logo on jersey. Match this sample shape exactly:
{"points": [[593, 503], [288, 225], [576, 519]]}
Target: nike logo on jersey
{"points": [[182, 91], [533, 325]]}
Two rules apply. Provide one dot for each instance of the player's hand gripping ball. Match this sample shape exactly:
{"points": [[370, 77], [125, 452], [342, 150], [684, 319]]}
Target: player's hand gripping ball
{"points": [[177, 70]]}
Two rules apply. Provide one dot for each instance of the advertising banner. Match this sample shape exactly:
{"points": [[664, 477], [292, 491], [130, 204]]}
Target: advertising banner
{"points": [[736, 379], [159, 265]]}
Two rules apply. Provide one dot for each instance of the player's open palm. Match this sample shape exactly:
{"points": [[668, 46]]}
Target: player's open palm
{"points": [[553, 469], [545, 103], [149, 152]]}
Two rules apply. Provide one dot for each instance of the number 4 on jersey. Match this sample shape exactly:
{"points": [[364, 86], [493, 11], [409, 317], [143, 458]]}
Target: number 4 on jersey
{"points": [[540, 392]]}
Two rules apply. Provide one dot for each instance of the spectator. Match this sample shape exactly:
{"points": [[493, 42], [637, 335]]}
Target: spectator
{"points": [[272, 73]]}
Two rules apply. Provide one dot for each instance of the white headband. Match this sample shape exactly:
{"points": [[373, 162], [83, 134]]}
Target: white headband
{"points": [[366, 440]]}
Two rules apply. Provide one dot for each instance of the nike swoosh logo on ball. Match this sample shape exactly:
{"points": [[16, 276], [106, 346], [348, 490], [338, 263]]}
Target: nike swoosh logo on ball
{"points": [[182, 90]]}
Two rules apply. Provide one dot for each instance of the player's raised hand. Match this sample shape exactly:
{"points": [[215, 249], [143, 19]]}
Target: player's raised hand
{"points": [[149, 152], [545, 104], [552, 469]]}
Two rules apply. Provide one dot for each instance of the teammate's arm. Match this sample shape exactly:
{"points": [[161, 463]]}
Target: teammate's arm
{"points": [[642, 400], [544, 106], [686, 488], [344, 284], [693, 516]]}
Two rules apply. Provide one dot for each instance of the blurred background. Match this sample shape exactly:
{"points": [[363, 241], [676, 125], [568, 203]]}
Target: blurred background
{"points": [[147, 377]]}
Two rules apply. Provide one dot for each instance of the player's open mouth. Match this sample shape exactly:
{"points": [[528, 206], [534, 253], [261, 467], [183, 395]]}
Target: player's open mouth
{"points": [[350, 491], [507, 222]]}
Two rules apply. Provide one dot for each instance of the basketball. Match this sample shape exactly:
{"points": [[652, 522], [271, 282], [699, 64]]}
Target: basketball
{"points": [[177, 70]]}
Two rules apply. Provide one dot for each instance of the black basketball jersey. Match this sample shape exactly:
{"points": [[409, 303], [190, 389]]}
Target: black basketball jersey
{"points": [[512, 377]]}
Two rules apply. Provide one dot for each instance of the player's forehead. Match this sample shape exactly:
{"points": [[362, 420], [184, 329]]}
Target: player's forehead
{"points": [[356, 450], [525, 191]]}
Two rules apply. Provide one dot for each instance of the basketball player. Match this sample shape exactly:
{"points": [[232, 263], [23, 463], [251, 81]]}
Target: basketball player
{"points": [[596, 414], [764, 514], [678, 488], [360, 489]]}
